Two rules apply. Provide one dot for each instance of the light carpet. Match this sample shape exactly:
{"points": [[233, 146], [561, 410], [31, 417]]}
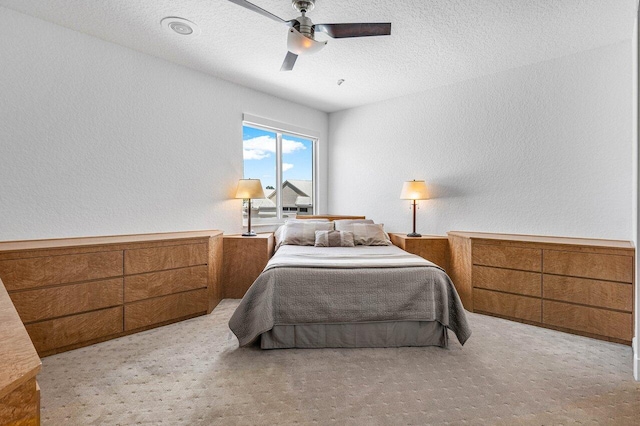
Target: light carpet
{"points": [[194, 373]]}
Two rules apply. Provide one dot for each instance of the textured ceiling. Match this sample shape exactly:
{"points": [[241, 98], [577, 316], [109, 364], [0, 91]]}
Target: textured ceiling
{"points": [[433, 43]]}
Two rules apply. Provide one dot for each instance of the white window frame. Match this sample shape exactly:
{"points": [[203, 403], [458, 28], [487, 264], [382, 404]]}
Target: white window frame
{"points": [[279, 128]]}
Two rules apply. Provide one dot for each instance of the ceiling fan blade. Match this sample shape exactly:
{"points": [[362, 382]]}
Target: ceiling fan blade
{"points": [[354, 30], [289, 62], [259, 10]]}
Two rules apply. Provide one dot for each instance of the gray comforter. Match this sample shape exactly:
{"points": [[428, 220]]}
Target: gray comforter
{"points": [[328, 285]]}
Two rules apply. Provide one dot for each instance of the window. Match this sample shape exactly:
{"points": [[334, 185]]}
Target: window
{"points": [[283, 160]]}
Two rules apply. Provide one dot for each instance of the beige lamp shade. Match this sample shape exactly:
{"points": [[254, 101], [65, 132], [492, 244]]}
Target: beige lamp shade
{"points": [[414, 190], [250, 188]]}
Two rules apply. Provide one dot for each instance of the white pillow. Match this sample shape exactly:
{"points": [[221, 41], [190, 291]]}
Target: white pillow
{"points": [[340, 224], [368, 234]]}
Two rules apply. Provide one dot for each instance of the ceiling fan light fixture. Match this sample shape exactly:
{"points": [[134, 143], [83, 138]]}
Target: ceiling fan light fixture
{"points": [[301, 45], [301, 36]]}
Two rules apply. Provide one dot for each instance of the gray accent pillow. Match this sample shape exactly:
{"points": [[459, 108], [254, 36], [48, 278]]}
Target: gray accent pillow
{"points": [[303, 233], [368, 234], [343, 223], [334, 239]]}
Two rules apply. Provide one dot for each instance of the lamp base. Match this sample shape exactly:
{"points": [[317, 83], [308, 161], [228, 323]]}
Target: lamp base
{"points": [[414, 234], [249, 234]]}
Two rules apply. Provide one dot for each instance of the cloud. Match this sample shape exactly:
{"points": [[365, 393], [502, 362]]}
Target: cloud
{"points": [[286, 166], [263, 146], [258, 148], [254, 154], [289, 146]]}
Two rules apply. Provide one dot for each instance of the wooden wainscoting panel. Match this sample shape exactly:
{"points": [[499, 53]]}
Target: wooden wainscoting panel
{"points": [[589, 265], [598, 321], [161, 283], [52, 302], [526, 259], [508, 305], [509, 280], [20, 274], [139, 261], [165, 308], [21, 407], [605, 294], [60, 332]]}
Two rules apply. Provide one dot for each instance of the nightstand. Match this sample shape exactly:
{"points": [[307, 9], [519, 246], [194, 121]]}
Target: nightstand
{"points": [[243, 260], [434, 248]]}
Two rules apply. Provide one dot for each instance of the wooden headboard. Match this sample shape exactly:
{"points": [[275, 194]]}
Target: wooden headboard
{"points": [[331, 217]]}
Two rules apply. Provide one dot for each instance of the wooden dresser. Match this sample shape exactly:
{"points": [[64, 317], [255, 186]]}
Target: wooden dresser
{"points": [[19, 365], [582, 286], [78, 291]]}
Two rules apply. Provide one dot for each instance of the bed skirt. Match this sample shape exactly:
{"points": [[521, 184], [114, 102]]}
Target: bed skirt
{"points": [[356, 335]]}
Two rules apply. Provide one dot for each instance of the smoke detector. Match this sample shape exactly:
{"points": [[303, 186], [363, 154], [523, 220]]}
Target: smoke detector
{"points": [[180, 26]]}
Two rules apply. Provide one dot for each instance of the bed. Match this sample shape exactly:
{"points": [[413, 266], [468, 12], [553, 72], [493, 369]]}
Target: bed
{"points": [[362, 296]]}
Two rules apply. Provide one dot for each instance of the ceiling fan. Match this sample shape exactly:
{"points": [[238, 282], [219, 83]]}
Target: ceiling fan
{"points": [[300, 39]]}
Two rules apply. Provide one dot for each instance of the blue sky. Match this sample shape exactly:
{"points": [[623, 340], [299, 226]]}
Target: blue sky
{"points": [[260, 156]]}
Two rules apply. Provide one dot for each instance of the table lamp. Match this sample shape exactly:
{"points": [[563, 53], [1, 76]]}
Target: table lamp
{"points": [[248, 189], [414, 190]]}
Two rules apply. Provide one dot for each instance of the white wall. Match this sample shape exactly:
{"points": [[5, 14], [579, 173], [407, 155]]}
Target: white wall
{"points": [[635, 201], [542, 149], [98, 139]]}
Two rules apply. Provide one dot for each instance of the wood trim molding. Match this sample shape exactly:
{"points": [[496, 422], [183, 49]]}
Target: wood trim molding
{"points": [[8, 246], [549, 242]]}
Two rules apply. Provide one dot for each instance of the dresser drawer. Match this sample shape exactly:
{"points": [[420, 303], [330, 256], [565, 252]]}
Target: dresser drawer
{"points": [[60, 332], [509, 280], [159, 258], [165, 308], [507, 305], [20, 274], [161, 283], [525, 259], [605, 294], [608, 267], [52, 302], [597, 321]]}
